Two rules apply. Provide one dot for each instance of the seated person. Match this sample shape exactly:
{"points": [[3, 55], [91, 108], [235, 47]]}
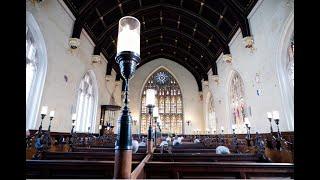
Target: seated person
{"points": [[176, 141], [135, 146], [165, 146], [222, 150], [142, 143], [168, 139]]}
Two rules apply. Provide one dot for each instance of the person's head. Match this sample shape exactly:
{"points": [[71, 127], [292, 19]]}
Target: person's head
{"points": [[135, 146]]}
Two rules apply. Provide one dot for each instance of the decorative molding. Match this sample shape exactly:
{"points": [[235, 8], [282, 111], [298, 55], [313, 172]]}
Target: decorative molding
{"points": [[249, 42], [74, 43], [108, 77], [227, 58], [96, 59]]}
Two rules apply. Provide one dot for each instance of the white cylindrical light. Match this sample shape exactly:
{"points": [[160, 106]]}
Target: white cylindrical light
{"points": [[74, 116], [269, 114], [275, 114], [100, 127], [222, 128], [51, 114], [44, 110], [233, 126], [155, 112], [150, 97], [129, 35], [246, 121]]}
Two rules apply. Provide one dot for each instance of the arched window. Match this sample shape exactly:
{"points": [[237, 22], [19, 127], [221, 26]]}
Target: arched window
{"points": [[211, 115], [87, 103], [237, 102], [36, 67], [284, 63], [168, 100]]}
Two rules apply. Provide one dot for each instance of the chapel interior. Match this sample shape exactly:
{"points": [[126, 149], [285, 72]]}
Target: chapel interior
{"points": [[159, 89]]}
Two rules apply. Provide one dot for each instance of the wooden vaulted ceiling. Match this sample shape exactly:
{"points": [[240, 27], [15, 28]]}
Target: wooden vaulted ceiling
{"points": [[192, 33]]}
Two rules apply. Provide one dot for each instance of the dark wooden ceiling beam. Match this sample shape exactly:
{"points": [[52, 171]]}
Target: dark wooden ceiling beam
{"points": [[240, 15], [193, 40], [217, 31], [183, 51]]}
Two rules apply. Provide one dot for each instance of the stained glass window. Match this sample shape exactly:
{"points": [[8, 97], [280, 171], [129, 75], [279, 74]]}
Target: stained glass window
{"points": [[238, 105], [168, 100]]}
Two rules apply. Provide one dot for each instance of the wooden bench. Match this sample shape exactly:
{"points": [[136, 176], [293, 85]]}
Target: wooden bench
{"points": [[95, 156], [102, 149], [232, 170], [70, 169], [204, 157]]}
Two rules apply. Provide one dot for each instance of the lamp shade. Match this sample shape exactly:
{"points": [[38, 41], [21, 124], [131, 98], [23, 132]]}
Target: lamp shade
{"points": [[150, 97], [233, 126], [51, 113], [74, 116], [129, 35], [275, 114], [222, 128], [246, 121], [44, 110], [155, 112], [269, 114]]}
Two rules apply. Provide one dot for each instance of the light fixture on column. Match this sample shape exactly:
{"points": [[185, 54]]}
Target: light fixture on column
{"points": [[150, 104], [73, 118], [275, 116], [269, 114], [248, 126], [128, 57], [44, 111], [155, 116], [51, 117]]}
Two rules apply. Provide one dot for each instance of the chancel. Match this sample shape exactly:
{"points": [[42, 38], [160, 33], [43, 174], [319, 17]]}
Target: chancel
{"points": [[159, 89]]}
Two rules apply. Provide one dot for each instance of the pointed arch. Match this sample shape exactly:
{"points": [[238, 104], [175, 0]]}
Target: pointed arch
{"points": [[87, 103], [237, 102], [36, 69], [169, 100], [281, 64]]}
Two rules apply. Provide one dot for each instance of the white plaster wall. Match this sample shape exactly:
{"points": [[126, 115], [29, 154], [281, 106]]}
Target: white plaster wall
{"points": [[266, 21], [56, 26], [192, 104]]}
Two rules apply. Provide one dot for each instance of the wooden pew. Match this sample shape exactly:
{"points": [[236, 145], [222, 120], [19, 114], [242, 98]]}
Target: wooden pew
{"points": [[204, 157], [102, 149], [232, 170], [92, 156], [70, 169]]}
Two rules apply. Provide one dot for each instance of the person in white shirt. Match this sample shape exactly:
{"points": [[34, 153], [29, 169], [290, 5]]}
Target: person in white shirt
{"points": [[222, 150]]}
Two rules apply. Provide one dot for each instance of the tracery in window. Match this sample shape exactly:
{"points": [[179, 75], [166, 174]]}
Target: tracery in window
{"points": [[86, 105], [238, 105], [36, 67], [168, 100]]}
